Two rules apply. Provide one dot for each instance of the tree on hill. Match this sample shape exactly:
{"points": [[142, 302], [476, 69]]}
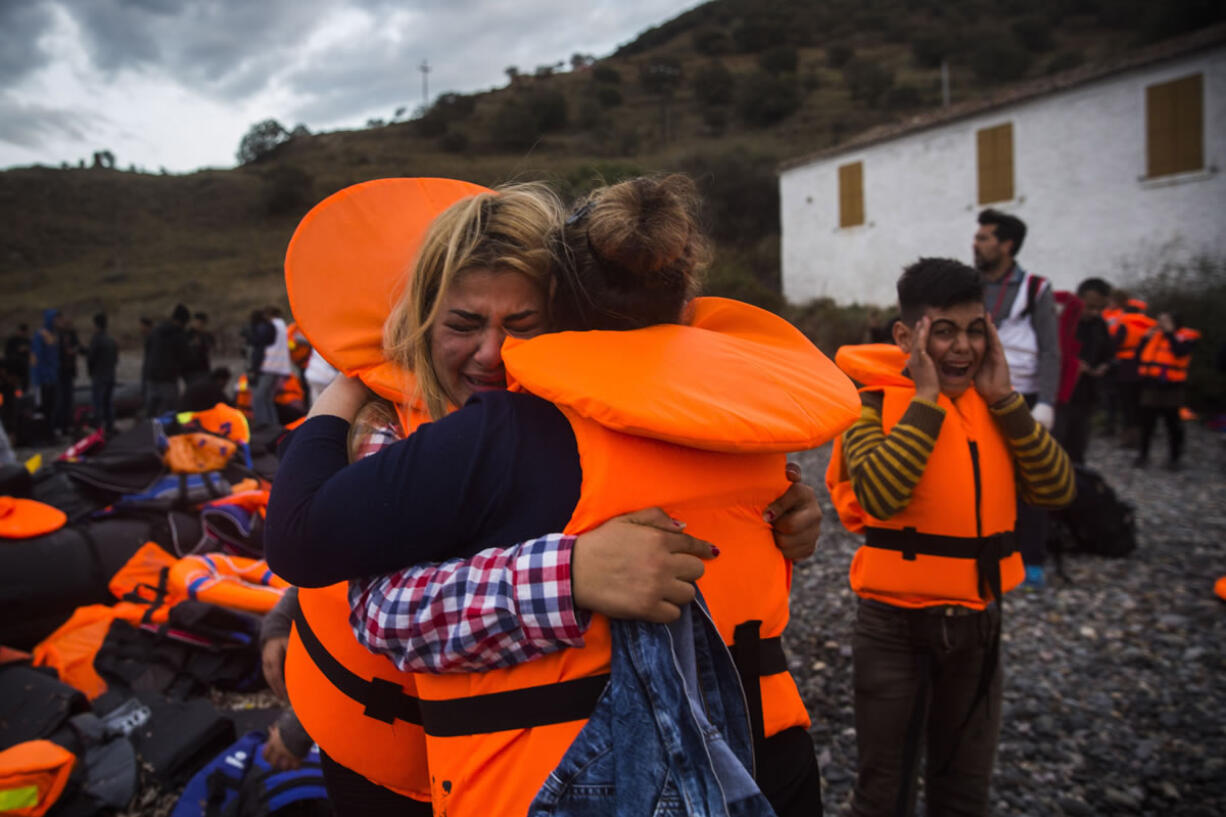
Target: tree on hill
{"points": [[263, 138], [713, 84], [104, 159]]}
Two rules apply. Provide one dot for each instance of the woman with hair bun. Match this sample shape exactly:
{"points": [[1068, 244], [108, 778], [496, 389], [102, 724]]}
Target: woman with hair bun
{"points": [[648, 398]]}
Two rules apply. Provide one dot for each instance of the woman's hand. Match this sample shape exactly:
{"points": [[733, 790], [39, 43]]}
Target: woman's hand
{"points": [[992, 379], [278, 754], [273, 659], [342, 398], [640, 565], [795, 518]]}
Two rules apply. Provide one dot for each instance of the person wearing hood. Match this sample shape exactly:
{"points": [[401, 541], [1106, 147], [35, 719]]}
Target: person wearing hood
{"points": [[45, 363]]}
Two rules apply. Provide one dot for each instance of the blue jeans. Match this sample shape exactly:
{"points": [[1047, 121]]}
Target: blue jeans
{"points": [[670, 735]]}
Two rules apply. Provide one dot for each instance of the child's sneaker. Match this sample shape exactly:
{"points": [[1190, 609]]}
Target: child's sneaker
{"points": [[1035, 578]]}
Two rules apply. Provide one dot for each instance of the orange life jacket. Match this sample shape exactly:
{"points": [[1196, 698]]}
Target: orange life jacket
{"points": [[24, 518], [359, 708], [148, 585], [33, 776], [694, 419], [222, 420], [954, 542], [242, 396], [1156, 360], [299, 346], [1135, 324], [290, 393]]}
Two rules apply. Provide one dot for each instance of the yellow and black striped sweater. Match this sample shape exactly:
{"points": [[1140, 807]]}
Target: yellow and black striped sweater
{"points": [[885, 468]]}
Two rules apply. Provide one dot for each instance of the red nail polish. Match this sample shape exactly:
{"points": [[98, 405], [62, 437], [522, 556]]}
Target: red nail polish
{"points": [[714, 550], [769, 516]]}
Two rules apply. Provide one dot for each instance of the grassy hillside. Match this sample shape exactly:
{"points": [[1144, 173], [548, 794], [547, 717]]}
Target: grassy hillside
{"points": [[723, 91]]}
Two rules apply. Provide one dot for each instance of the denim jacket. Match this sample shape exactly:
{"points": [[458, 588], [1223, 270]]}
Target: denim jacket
{"points": [[670, 735]]}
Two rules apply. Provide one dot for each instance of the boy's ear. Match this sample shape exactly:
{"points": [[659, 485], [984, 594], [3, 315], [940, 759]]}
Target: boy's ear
{"points": [[903, 335]]}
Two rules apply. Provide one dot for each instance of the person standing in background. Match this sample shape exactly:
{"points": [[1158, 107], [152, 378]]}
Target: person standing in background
{"points": [[200, 344], [275, 366], [101, 358], [17, 356], [1023, 309], [1164, 355], [70, 347], [45, 365], [166, 358], [146, 336], [1094, 356]]}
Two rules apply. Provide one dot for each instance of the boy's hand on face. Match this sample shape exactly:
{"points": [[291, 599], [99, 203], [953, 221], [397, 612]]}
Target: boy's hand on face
{"points": [[992, 381], [923, 369]]}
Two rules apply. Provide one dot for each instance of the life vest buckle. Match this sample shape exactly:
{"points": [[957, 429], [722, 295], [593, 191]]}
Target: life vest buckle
{"points": [[384, 700]]}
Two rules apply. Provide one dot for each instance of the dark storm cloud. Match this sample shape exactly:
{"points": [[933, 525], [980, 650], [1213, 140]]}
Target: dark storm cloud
{"points": [[22, 24], [216, 46], [232, 50], [31, 125]]}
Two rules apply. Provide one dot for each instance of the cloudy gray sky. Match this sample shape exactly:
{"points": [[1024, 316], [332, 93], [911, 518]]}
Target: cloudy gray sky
{"points": [[176, 83]]}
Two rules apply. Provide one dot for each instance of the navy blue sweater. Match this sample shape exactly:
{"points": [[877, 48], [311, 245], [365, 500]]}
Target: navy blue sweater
{"points": [[501, 470]]}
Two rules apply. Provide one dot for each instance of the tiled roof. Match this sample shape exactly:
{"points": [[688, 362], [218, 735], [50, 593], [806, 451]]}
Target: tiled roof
{"points": [[1021, 92]]}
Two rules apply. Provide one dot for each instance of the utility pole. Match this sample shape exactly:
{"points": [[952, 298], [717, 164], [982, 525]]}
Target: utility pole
{"points": [[425, 83]]}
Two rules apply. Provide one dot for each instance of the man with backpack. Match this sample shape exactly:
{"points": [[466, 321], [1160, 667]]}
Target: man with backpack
{"points": [[1023, 310]]}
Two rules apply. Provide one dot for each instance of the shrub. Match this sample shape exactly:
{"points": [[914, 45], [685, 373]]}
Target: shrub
{"points": [[712, 41], [258, 143], [606, 74], [288, 189], [838, 54], [868, 81], [548, 107], [930, 48], [608, 97], [446, 109], [901, 97], [740, 194], [713, 84], [829, 325], [715, 119], [999, 59], [1033, 33], [757, 31], [765, 100], [1064, 61], [453, 141], [781, 59], [514, 127]]}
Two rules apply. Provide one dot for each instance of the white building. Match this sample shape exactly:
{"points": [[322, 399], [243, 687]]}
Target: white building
{"points": [[1114, 168]]}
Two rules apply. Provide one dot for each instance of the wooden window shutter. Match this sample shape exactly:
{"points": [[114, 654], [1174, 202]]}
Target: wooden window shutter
{"points": [[994, 147], [1174, 126], [851, 194]]}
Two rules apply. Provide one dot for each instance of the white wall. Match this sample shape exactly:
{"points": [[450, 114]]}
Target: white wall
{"points": [[1078, 158]]}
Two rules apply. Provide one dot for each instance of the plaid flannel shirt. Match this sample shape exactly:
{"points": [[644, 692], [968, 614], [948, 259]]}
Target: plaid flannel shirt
{"points": [[498, 608]]}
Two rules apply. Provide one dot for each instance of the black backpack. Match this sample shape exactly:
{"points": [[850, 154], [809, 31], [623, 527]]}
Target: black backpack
{"points": [[1097, 521]]}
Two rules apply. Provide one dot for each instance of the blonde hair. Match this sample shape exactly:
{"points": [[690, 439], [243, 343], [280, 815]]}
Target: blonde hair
{"points": [[634, 255], [510, 230]]}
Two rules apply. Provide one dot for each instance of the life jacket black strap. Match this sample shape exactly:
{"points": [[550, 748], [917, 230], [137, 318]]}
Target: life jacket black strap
{"points": [[986, 551], [526, 708], [384, 701], [755, 657]]}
